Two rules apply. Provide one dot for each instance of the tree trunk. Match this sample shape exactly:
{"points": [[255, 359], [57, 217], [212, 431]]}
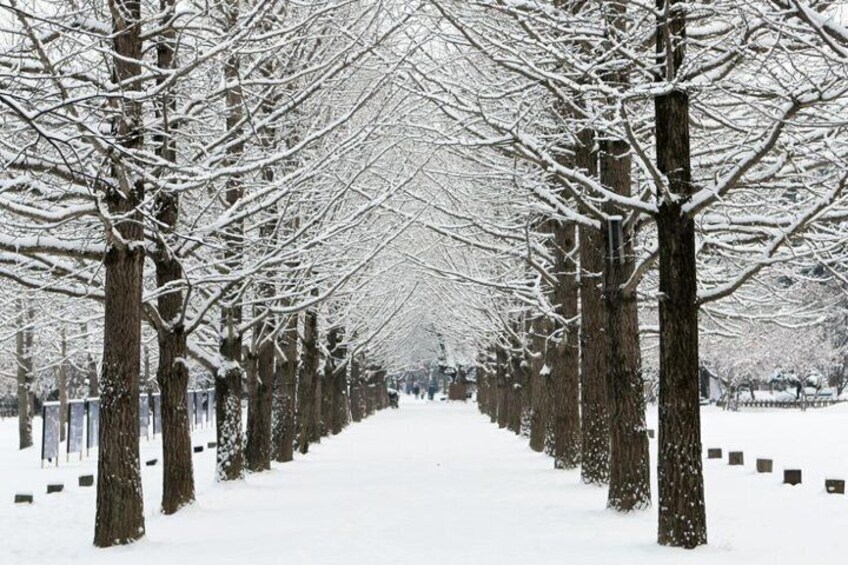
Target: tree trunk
{"points": [[595, 425], [119, 515], [23, 358], [503, 390], [306, 383], [260, 387], [172, 376], [228, 384], [171, 373], [62, 384], [565, 364], [630, 485], [539, 376], [682, 517], [356, 411], [286, 394]]}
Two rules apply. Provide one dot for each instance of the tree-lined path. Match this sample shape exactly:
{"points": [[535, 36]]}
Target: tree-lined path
{"points": [[433, 483]]}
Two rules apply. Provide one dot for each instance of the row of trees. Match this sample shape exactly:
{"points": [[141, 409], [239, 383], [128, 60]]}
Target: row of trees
{"points": [[288, 196]]}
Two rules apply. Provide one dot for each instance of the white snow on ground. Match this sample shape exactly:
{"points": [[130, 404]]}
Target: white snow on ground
{"points": [[437, 484]]}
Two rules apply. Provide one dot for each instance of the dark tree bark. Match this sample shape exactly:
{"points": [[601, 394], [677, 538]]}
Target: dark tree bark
{"points": [[93, 377], [538, 375], [62, 384], [172, 373], [285, 394], [307, 418], [682, 517], [228, 382], [565, 364], [258, 446], [503, 396], [356, 394], [595, 442], [630, 485], [336, 379], [119, 515], [24, 361]]}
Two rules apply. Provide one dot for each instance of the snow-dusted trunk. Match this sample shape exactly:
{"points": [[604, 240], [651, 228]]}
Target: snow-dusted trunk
{"points": [[503, 390], [228, 381], [285, 394], [594, 425], [171, 372], [630, 485], [62, 383], [23, 359], [356, 400], [682, 517], [336, 380], [93, 377], [565, 364], [260, 387], [119, 515], [539, 371], [306, 382]]}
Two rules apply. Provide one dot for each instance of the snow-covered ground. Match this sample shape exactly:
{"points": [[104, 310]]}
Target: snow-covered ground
{"points": [[437, 484]]}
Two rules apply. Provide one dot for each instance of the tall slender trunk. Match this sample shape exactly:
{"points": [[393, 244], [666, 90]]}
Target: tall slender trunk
{"points": [[63, 384], [260, 387], [172, 372], [539, 371], [565, 369], [228, 382], [306, 384], [24, 361], [503, 382], [119, 515], [337, 380], [595, 441], [286, 394], [356, 400], [630, 485], [682, 516]]}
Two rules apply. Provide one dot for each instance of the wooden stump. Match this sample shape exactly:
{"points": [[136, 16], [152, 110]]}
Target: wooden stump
{"points": [[23, 499], [792, 476], [55, 487], [86, 480], [736, 458], [714, 453], [151, 462], [834, 486], [764, 465]]}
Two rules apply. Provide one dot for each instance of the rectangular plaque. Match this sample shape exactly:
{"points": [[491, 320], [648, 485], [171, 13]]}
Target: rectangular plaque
{"points": [[92, 407], [144, 416], [76, 425], [157, 413], [51, 415]]}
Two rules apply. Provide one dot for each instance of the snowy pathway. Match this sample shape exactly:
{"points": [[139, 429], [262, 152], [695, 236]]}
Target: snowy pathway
{"points": [[434, 484]]}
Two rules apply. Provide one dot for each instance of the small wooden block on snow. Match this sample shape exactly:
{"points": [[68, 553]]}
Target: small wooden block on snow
{"points": [[792, 476], [23, 499], [714, 453], [55, 487], [834, 486], [736, 458], [212, 444], [86, 480], [151, 462], [764, 465], [198, 448]]}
